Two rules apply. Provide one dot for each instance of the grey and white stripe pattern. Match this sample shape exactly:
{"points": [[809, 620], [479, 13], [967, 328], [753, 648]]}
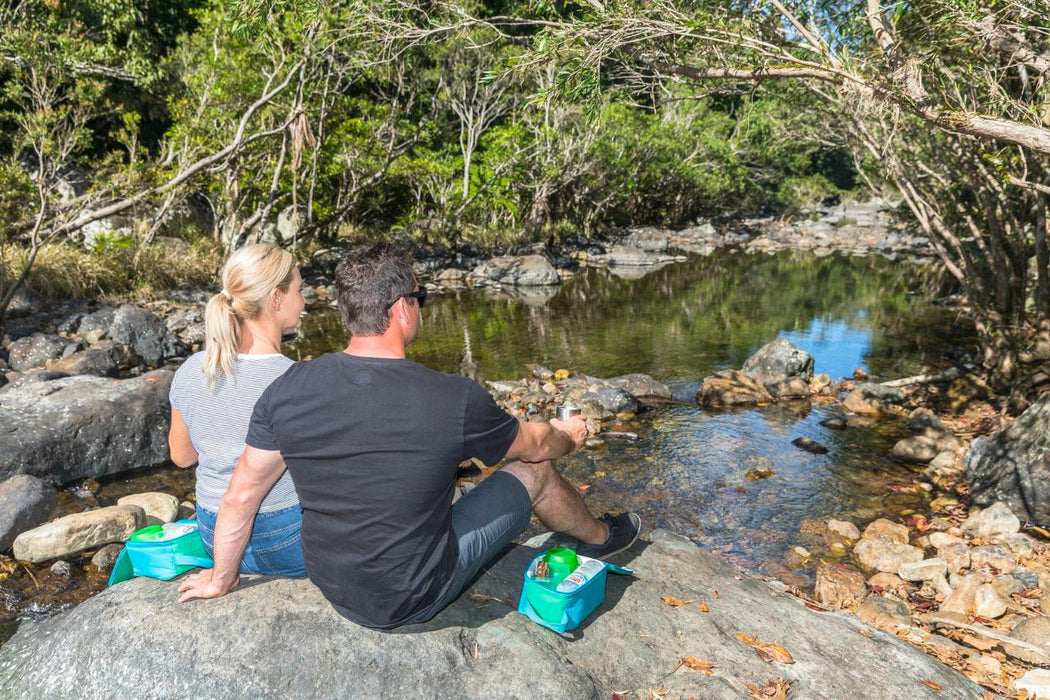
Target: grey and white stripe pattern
{"points": [[217, 418]]}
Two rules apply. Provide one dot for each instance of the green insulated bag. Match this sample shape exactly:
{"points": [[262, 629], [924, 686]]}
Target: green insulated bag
{"points": [[559, 601], [161, 551]]}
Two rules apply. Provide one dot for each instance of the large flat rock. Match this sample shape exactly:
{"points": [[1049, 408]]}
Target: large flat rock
{"points": [[84, 426], [279, 638]]}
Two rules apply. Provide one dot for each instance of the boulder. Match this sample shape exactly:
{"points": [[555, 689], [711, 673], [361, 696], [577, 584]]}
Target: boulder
{"points": [[894, 531], [731, 388], [276, 637], [640, 386], [919, 449], [524, 270], [146, 334], [36, 350], [77, 532], [838, 587], [1013, 465], [778, 361], [995, 521], [160, 508], [616, 400], [880, 553], [884, 613], [104, 359], [925, 570], [25, 502], [871, 399], [1036, 631], [648, 238], [84, 426]]}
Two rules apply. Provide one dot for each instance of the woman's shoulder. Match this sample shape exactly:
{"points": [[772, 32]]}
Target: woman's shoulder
{"points": [[193, 363]]}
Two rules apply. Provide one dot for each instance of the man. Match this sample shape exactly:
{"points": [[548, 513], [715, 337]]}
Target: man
{"points": [[372, 442]]}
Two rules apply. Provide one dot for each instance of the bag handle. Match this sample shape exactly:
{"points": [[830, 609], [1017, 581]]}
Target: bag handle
{"points": [[190, 560]]}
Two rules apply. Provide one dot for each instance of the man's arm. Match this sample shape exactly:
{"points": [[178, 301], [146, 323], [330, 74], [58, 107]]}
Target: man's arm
{"points": [[181, 448], [255, 473], [537, 442]]}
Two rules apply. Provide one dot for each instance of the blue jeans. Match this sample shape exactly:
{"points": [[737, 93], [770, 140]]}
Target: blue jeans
{"points": [[275, 547]]}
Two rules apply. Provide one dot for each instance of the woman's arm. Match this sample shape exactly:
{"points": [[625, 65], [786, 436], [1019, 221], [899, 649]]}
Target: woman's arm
{"points": [[183, 453]]}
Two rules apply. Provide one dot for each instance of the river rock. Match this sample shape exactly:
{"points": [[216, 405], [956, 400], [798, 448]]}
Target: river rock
{"points": [[847, 530], [146, 334], [819, 383], [159, 507], [804, 443], [640, 386], [77, 532], [616, 400], [276, 637], [887, 528], [106, 557], [964, 594], [1035, 683], [97, 321], [918, 449], [790, 388], [871, 399], [884, 613], [891, 583], [994, 521], [523, 270], [1013, 465], [630, 256], [1034, 630], [925, 570], [648, 238], [989, 603], [84, 426], [922, 419], [61, 569], [834, 423], [36, 350], [883, 554], [943, 539], [956, 556], [944, 462], [25, 502], [992, 558], [838, 587], [778, 361], [731, 388], [1019, 544], [104, 359]]}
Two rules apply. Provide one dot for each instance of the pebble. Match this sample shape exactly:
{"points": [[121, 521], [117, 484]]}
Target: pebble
{"points": [[894, 531], [881, 553], [62, 569], [989, 603], [106, 557], [925, 570], [956, 556], [845, 528]]}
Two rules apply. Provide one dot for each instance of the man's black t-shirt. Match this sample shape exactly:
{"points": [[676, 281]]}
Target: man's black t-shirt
{"points": [[372, 446]]}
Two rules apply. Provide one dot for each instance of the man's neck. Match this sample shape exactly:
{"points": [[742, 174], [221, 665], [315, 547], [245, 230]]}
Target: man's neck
{"points": [[386, 346]]}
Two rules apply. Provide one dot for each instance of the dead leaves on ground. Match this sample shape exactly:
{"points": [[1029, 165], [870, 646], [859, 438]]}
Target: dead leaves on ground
{"points": [[676, 602], [705, 667], [768, 651], [773, 690]]}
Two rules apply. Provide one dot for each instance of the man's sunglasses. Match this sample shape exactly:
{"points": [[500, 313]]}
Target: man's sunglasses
{"points": [[419, 295]]}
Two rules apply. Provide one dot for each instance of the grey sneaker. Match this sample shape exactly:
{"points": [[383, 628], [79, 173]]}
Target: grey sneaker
{"points": [[623, 531]]}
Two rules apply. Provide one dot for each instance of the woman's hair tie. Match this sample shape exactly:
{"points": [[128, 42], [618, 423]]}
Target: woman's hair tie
{"points": [[226, 293]]}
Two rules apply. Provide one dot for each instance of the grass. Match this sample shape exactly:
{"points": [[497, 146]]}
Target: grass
{"points": [[68, 271]]}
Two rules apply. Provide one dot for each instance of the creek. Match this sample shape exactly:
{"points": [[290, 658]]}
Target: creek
{"points": [[688, 469]]}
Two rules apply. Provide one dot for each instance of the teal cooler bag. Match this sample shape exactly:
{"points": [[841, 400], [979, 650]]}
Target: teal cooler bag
{"points": [[148, 553], [565, 610]]}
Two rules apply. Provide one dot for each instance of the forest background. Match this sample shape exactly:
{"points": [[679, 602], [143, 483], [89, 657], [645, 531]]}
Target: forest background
{"points": [[124, 124]]}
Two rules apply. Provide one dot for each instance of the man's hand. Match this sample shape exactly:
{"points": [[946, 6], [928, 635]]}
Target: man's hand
{"points": [[202, 585], [575, 428]]}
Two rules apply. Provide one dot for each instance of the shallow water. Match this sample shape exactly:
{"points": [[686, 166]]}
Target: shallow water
{"points": [[688, 469]]}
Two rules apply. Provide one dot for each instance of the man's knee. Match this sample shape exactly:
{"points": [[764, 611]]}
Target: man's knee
{"points": [[533, 475]]}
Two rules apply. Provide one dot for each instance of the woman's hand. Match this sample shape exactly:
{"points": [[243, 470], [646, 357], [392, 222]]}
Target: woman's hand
{"points": [[203, 585]]}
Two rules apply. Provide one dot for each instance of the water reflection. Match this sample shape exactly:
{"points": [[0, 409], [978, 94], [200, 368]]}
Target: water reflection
{"points": [[688, 469]]}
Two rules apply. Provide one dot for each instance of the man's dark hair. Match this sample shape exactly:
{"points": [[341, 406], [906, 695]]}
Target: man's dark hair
{"points": [[367, 282]]}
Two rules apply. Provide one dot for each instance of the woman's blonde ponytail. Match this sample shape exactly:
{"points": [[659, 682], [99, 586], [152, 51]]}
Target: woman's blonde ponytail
{"points": [[248, 277]]}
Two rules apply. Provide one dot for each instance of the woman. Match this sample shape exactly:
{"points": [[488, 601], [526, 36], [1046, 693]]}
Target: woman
{"points": [[214, 391]]}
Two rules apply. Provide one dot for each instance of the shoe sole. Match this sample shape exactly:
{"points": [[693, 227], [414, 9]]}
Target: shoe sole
{"points": [[637, 520]]}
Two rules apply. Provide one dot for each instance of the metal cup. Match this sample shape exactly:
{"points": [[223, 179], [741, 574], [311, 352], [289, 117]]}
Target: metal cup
{"points": [[567, 411]]}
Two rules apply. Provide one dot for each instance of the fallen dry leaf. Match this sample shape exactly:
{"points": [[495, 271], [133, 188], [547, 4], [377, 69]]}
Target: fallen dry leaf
{"points": [[599, 474], [704, 667], [930, 684], [675, 602], [768, 652], [716, 594], [584, 487], [702, 607], [773, 690]]}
